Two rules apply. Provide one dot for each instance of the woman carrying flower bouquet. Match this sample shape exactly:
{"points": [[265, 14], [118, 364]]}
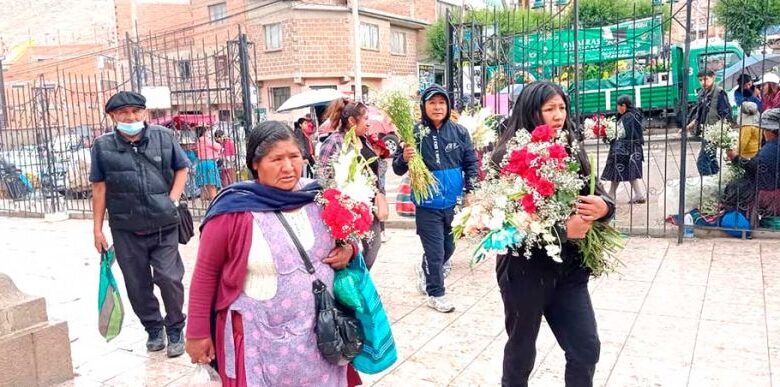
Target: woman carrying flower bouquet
{"points": [[532, 284], [251, 277], [344, 115], [624, 161]]}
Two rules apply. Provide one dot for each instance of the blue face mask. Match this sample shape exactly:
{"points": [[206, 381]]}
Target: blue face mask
{"points": [[130, 129]]}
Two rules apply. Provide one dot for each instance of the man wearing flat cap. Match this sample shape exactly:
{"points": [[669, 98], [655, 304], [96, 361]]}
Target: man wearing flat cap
{"points": [[138, 174], [762, 173]]}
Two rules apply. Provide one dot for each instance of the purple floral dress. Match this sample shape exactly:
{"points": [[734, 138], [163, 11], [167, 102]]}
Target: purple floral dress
{"points": [[279, 344]]}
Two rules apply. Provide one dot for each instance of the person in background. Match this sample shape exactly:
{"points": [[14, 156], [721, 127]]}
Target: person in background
{"points": [[304, 140], [749, 133], [746, 91], [761, 180], [624, 161], [344, 115], [138, 173], [770, 91], [250, 278], [207, 172], [227, 161], [712, 107], [447, 151], [379, 147]]}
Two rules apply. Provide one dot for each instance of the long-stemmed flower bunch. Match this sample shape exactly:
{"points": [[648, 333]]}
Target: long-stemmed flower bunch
{"points": [[600, 127], [525, 205], [720, 135], [348, 193], [399, 109]]}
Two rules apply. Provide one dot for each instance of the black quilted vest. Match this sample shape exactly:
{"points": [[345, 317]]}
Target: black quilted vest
{"points": [[138, 179]]}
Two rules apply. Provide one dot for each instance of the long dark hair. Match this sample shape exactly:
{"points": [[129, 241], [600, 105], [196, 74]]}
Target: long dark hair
{"points": [[340, 111], [527, 115]]}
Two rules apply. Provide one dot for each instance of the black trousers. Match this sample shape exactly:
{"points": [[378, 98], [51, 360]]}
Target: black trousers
{"points": [[148, 260], [435, 230], [536, 287]]}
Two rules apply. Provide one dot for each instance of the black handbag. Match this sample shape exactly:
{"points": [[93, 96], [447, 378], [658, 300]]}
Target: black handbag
{"points": [[186, 226], [339, 335]]}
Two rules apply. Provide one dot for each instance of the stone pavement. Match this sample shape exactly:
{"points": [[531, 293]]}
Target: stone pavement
{"points": [[706, 313]]}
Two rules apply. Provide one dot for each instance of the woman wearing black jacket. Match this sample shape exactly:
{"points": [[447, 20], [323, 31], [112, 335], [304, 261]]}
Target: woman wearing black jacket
{"points": [[624, 161], [536, 287]]}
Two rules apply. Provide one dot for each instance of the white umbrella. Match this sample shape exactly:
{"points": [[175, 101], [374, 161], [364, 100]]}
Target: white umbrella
{"points": [[310, 98]]}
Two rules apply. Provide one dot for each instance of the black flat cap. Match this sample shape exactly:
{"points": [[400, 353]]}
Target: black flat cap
{"points": [[125, 98]]}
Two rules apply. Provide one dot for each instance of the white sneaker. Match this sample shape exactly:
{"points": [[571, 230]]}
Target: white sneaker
{"points": [[384, 237], [447, 268], [421, 283], [440, 304]]}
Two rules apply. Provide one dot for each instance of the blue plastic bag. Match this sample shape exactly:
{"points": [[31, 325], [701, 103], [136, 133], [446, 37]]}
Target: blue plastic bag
{"points": [[353, 288], [734, 223]]}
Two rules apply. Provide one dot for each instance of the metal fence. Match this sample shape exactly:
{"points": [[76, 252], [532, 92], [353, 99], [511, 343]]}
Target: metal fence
{"points": [[654, 57], [52, 120]]}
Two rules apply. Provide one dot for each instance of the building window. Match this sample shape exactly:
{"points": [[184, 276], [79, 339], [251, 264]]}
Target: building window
{"points": [[184, 68], [217, 13], [323, 87], [369, 36], [278, 96], [442, 7], [398, 43], [273, 36]]}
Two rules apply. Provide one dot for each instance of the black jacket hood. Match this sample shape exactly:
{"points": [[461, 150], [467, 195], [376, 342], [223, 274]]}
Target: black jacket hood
{"points": [[426, 95]]}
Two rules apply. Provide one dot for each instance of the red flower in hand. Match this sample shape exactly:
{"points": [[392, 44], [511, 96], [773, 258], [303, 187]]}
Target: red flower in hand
{"points": [[519, 162], [542, 133], [338, 218], [331, 194], [557, 152], [528, 204], [364, 219], [379, 146], [545, 187]]}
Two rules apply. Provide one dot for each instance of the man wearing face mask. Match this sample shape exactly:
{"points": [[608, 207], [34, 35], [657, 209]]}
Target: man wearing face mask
{"points": [[138, 174]]}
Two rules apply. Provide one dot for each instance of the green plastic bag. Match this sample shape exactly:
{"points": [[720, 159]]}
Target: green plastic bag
{"points": [[110, 308]]}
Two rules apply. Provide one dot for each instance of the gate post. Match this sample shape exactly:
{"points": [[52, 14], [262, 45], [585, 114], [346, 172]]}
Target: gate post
{"points": [[449, 77], [246, 83], [130, 65], [684, 112], [4, 111]]}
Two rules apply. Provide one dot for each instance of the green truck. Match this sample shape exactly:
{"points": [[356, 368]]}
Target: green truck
{"points": [[631, 58]]}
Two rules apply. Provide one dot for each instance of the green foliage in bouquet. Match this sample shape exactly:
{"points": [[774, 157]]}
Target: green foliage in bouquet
{"points": [[602, 243]]}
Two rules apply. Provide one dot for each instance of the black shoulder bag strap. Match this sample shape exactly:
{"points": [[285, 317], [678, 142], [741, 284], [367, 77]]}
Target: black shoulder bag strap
{"points": [[301, 250]]}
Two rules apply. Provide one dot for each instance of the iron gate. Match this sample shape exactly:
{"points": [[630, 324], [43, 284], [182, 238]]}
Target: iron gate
{"points": [[52, 119], [647, 55]]}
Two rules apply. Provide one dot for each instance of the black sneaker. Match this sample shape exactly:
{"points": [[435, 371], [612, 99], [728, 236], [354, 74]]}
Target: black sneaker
{"points": [[175, 343], [156, 341]]}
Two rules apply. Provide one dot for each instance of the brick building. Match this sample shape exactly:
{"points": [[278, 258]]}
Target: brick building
{"points": [[298, 45]]}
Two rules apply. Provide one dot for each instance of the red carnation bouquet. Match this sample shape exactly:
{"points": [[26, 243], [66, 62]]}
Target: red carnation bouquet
{"points": [[348, 197]]}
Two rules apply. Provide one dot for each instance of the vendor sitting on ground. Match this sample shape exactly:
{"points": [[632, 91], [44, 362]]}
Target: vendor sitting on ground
{"points": [[760, 183]]}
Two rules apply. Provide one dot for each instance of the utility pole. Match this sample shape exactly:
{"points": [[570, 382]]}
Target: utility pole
{"points": [[358, 70]]}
